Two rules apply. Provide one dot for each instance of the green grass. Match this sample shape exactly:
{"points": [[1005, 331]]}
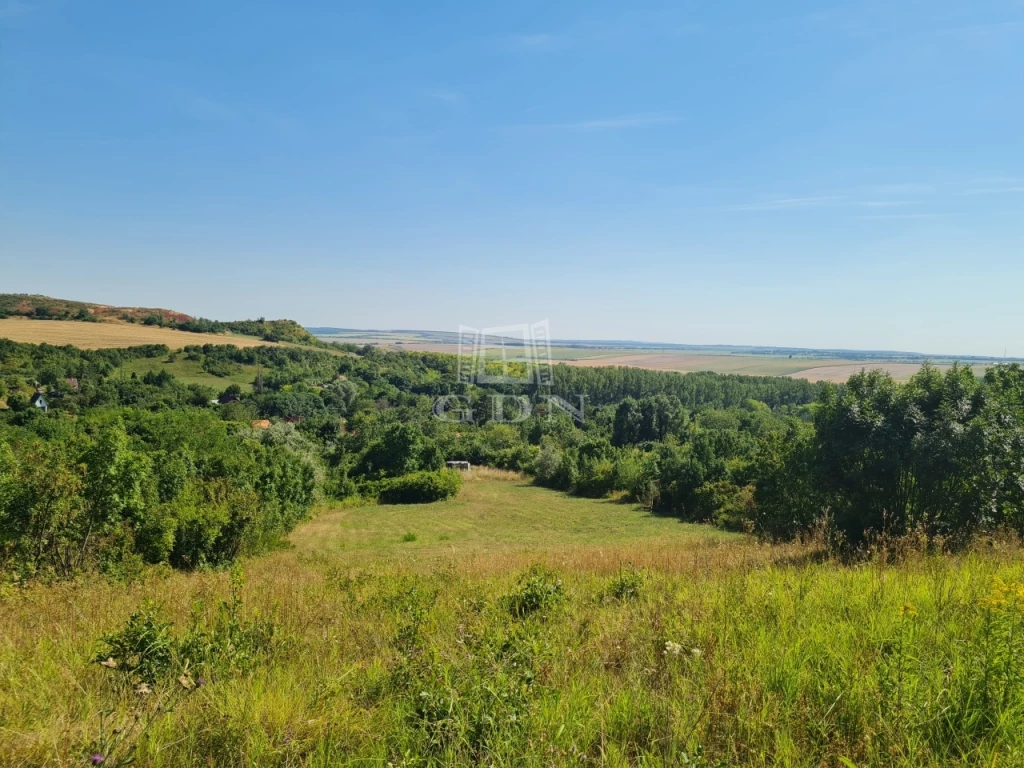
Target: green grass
{"points": [[494, 512], [524, 628], [191, 372]]}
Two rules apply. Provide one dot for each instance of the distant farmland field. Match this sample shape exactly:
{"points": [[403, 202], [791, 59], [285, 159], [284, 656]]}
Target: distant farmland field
{"points": [[842, 371], [107, 335], [810, 368], [757, 365], [752, 365]]}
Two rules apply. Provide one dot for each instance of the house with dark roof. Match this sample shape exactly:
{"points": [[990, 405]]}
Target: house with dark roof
{"points": [[39, 401]]}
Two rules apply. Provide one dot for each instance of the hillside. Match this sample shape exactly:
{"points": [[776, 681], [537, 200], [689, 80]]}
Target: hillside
{"points": [[40, 307], [49, 308], [102, 335]]}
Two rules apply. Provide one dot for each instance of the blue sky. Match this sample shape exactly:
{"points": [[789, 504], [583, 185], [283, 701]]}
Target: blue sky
{"points": [[846, 174]]}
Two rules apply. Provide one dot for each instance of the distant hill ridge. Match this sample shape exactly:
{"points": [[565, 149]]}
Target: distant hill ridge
{"points": [[40, 307]]}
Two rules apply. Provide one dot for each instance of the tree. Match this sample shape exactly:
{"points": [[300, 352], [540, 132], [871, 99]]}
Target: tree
{"points": [[627, 422], [400, 448], [786, 497], [116, 488]]}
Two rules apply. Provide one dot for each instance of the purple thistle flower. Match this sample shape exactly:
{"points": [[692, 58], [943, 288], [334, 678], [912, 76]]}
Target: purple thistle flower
{"points": [[200, 682], [97, 759]]}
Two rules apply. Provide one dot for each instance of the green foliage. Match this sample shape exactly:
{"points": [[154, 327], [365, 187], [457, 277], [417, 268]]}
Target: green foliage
{"points": [[942, 453], [172, 487], [421, 487], [726, 504], [537, 591], [143, 650], [230, 641], [191, 483], [627, 584]]}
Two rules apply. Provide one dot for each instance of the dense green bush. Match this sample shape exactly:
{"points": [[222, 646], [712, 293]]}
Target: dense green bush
{"points": [[421, 487], [943, 453], [173, 487]]}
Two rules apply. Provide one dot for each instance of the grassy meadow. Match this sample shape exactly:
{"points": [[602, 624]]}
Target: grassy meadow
{"points": [[191, 372], [516, 626], [495, 514]]}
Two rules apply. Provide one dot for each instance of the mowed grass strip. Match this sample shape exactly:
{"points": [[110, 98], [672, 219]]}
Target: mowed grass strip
{"points": [[111, 335], [494, 513]]}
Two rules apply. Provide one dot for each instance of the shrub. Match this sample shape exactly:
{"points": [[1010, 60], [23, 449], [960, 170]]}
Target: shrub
{"points": [[627, 584], [596, 478], [726, 504], [143, 650], [547, 464], [421, 487], [537, 590]]}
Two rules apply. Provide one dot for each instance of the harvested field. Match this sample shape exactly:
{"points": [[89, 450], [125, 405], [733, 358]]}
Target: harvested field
{"points": [[842, 372], [107, 335], [751, 365]]}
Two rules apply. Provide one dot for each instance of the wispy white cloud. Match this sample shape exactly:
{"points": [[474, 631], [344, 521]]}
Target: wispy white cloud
{"points": [[405, 139], [625, 121], [902, 216], [905, 188], [536, 42], [199, 106], [446, 96], [882, 203], [621, 122], [883, 197], [626, 28], [787, 203], [996, 190]]}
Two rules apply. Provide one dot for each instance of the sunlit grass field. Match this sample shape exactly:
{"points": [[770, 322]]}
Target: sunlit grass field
{"points": [[111, 335], [495, 514], [515, 626], [191, 372]]}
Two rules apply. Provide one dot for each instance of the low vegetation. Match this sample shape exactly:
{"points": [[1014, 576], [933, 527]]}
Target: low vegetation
{"points": [[420, 487], [682, 650]]}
